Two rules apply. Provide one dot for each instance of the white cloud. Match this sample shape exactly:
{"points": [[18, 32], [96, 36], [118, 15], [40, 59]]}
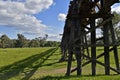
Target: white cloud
{"points": [[62, 17], [35, 6], [54, 37], [116, 9], [19, 14]]}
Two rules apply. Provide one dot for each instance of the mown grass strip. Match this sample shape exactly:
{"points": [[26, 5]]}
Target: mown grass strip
{"points": [[27, 66]]}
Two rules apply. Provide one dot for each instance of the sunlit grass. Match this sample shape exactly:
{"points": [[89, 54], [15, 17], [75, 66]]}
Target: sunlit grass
{"points": [[11, 55], [42, 64]]}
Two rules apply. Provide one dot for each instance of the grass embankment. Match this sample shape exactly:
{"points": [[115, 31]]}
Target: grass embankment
{"points": [[42, 64]]}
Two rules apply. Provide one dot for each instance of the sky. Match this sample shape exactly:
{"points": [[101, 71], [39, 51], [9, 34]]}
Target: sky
{"points": [[35, 18]]}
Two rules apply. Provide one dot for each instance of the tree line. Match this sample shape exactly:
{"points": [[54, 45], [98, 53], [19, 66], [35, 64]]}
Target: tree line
{"points": [[22, 41]]}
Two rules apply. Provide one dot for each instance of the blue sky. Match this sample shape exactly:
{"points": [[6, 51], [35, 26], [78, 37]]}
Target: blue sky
{"points": [[48, 17], [34, 18]]}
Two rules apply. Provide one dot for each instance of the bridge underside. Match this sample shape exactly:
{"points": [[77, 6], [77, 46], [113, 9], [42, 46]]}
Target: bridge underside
{"points": [[82, 20]]}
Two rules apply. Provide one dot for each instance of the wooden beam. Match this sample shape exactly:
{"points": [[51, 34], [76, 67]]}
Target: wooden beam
{"points": [[106, 48], [96, 15], [78, 52], [87, 48], [108, 66], [103, 53], [82, 66], [69, 64], [100, 38], [92, 29], [114, 47], [93, 48]]}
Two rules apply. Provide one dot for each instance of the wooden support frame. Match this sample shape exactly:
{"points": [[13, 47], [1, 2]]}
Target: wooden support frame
{"points": [[99, 56], [78, 41]]}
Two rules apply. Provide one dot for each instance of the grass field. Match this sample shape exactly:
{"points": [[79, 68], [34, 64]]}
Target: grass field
{"points": [[42, 64]]}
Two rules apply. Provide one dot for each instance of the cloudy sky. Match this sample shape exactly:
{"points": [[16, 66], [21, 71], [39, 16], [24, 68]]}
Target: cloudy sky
{"points": [[34, 18]]}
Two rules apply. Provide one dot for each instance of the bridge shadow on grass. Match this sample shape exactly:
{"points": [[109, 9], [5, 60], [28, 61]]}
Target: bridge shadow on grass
{"points": [[61, 77], [75, 77], [26, 67]]}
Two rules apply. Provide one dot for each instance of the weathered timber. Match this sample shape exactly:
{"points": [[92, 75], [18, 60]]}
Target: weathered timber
{"points": [[114, 47], [106, 48], [82, 13], [93, 48]]}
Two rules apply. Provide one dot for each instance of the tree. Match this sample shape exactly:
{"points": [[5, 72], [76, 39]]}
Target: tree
{"points": [[13, 43], [52, 44], [0, 43], [34, 43], [116, 24], [21, 41], [5, 41], [42, 40], [116, 18]]}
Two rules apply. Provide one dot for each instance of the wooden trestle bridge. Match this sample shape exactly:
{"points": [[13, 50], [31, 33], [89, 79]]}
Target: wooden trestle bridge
{"points": [[82, 20]]}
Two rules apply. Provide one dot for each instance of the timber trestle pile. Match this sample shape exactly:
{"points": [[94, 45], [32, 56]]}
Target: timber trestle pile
{"points": [[81, 21]]}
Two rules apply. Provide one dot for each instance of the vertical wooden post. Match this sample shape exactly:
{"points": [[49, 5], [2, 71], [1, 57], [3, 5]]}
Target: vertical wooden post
{"points": [[78, 58], [106, 48], [102, 3], [116, 58], [78, 48], [70, 46], [93, 46], [114, 46], [69, 63], [86, 46]]}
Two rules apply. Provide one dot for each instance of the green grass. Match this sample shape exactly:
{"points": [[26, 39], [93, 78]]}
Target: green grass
{"points": [[42, 64], [11, 55]]}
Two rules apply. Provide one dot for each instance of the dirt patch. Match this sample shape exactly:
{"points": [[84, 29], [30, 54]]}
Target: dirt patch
{"points": [[50, 72]]}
